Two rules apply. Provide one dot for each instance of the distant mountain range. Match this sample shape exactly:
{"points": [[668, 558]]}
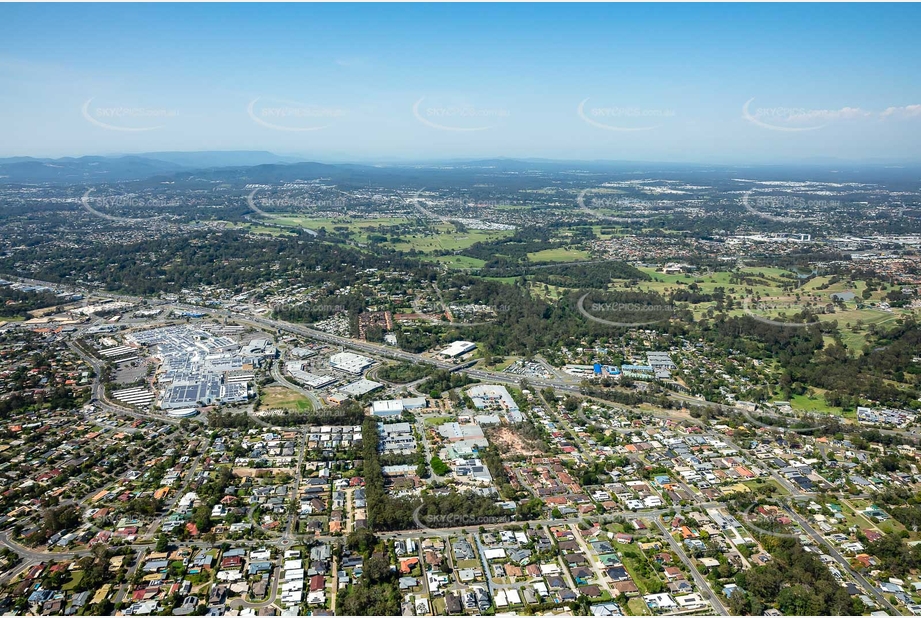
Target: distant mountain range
{"points": [[68, 170], [266, 167]]}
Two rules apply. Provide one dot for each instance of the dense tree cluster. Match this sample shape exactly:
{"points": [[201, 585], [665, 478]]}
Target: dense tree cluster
{"points": [[386, 512], [228, 259], [796, 582], [442, 380], [403, 373], [18, 303]]}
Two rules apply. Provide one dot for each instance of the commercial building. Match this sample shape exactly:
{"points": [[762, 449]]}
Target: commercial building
{"points": [[197, 367], [296, 370], [495, 397], [396, 438], [394, 407], [360, 387], [355, 364], [458, 348]]}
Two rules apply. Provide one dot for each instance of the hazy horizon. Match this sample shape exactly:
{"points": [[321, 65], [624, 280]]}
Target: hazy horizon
{"points": [[294, 158], [709, 84]]}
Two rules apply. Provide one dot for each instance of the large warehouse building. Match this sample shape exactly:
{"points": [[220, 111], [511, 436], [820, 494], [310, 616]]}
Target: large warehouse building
{"points": [[458, 348], [350, 363]]}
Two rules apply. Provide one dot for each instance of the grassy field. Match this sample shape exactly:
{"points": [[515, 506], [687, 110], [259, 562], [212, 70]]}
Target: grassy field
{"points": [[559, 254], [778, 488], [769, 288], [260, 229], [636, 562], [816, 404], [445, 238], [355, 226], [847, 319], [502, 279], [460, 261], [428, 239], [505, 364], [637, 607], [74, 582], [439, 420], [279, 397]]}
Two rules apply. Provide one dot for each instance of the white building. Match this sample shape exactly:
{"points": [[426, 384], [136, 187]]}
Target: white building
{"points": [[458, 348], [360, 387], [350, 363], [395, 407]]}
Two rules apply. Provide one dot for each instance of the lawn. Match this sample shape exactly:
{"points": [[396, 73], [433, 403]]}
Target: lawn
{"points": [[505, 364], [445, 238], [267, 230], [817, 404], [434, 237], [279, 397], [768, 287], [435, 421], [637, 607], [769, 284], [856, 340], [76, 576], [778, 488], [559, 254], [460, 261]]}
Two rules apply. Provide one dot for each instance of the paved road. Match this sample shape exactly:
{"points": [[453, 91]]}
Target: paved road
{"points": [[702, 584], [284, 381], [288, 537], [373, 348], [874, 592], [177, 495], [23, 566], [239, 602], [593, 560], [99, 392]]}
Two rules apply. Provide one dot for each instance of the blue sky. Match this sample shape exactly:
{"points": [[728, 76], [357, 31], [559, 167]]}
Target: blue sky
{"points": [[375, 82]]}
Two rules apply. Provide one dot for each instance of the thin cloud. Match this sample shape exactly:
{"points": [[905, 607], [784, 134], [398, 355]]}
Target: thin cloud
{"points": [[906, 111], [827, 115], [824, 116]]}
